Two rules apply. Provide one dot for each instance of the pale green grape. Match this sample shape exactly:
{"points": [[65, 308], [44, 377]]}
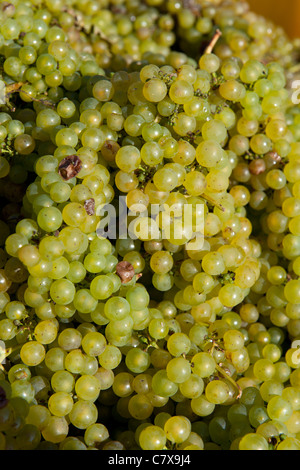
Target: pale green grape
{"points": [[32, 353], [87, 387], [203, 364], [177, 429], [152, 438], [60, 404]]}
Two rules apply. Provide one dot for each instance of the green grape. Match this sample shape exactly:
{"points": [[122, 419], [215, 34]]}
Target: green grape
{"points": [[209, 153], [279, 409], [60, 404], [253, 441], [48, 118], [128, 158], [45, 332], [95, 434], [32, 353], [289, 443], [110, 358], [213, 264], [69, 338], [181, 91], [195, 183], [291, 395], [62, 291], [192, 387], [178, 343], [62, 381], [232, 90], [158, 328], [15, 310], [87, 387], [231, 295], [203, 364], [28, 437], [233, 340], [14, 242], [217, 392], [56, 429], [4, 167], [137, 361], [49, 219], [177, 429], [93, 343], [140, 407], [165, 179], [269, 388], [74, 361], [178, 370], [154, 90], [162, 386], [84, 302], [151, 153], [38, 415], [122, 385], [103, 90], [101, 287], [209, 62], [258, 415], [152, 438], [291, 291], [162, 282], [73, 214], [72, 443], [116, 308]]}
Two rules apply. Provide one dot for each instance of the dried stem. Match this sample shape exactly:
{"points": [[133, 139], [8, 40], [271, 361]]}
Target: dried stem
{"points": [[213, 42], [219, 369], [213, 202]]}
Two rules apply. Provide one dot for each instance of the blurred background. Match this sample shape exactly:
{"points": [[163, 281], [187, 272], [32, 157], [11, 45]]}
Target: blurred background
{"points": [[285, 13]]}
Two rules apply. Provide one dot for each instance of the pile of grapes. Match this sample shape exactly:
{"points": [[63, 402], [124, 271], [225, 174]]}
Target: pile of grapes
{"points": [[149, 227]]}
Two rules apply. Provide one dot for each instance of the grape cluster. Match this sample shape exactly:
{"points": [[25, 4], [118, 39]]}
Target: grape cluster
{"points": [[149, 233]]}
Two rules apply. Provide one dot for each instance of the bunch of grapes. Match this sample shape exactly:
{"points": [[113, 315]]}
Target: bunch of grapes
{"points": [[149, 235]]}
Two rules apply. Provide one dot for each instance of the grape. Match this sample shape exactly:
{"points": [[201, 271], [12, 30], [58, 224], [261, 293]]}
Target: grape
{"points": [[45, 332], [110, 358], [95, 433], [152, 438], [87, 388], [253, 441], [101, 287], [93, 343], [178, 370], [280, 408], [139, 406], [32, 353], [178, 344], [177, 429], [60, 404], [56, 429], [62, 381], [162, 386], [137, 360]]}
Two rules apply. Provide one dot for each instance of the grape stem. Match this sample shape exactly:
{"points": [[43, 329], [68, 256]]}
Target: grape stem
{"points": [[295, 68], [40, 100], [9, 90], [6, 353], [213, 42], [227, 376], [212, 201]]}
